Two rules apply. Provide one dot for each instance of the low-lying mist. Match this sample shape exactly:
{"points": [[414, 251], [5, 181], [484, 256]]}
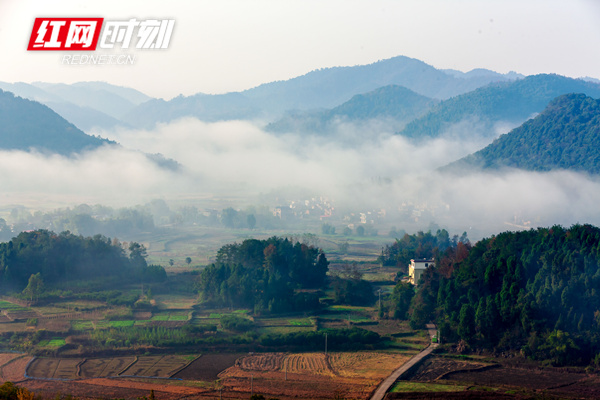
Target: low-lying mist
{"points": [[360, 169]]}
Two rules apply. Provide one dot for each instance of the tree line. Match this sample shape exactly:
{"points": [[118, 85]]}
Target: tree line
{"points": [[39, 257], [533, 291]]}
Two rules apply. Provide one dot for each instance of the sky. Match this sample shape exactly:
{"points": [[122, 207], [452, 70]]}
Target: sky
{"points": [[220, 46]]}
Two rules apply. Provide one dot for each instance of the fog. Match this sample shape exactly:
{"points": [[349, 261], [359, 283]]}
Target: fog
{"points": [[360, 168]]}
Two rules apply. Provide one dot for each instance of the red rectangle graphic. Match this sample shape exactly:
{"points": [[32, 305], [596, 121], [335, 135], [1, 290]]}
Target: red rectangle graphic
{"points": [[65, 34]]}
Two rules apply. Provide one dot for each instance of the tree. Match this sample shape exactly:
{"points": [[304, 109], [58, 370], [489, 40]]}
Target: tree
{"points": [[360, 230], [35, 287], [171, 262], [401, 299], [327, 229], [137, 255], [188, 260]]}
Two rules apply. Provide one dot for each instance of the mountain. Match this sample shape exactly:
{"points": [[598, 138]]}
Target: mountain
{"points": [[396, 105], [505, 102], [88, 105], [26, 124], [205, 107], [99, 96], [323, 88], [566, 135]]}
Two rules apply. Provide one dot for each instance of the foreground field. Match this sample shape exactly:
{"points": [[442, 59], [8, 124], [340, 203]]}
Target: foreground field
{"points": [[280, 375], [486, 378]]}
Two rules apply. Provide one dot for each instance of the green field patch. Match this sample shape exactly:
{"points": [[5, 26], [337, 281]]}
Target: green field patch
{"points": [[404, 387], [160, 317], [142, 322], [53, 343], [300, 322], [215, 316], [178, 318], [80, 325], [355, 309], [283, 329], [7, 305], [121, 324]]}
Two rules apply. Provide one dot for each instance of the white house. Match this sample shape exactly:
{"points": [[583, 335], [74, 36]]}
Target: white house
{"points": [[416, 269]]}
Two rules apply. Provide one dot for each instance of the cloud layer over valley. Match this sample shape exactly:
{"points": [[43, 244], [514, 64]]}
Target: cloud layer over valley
{"points": [[360, 169]]}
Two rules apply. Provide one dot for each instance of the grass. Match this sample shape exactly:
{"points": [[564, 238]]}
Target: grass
{"points": [[80, 325], [53, 343], [7, 305], [121, 324], [407, 387], [300, 322]]}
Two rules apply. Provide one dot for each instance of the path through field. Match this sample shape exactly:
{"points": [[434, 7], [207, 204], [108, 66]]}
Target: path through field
{"points": [[389, 381]]}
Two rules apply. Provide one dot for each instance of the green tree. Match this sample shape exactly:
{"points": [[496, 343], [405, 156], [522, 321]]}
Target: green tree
{"points": [[401, 299], [188, 260], [35, 287]]}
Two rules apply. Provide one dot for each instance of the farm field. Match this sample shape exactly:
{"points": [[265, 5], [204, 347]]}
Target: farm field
{"points": [[309, 375], [478, 378], [77, 368]]}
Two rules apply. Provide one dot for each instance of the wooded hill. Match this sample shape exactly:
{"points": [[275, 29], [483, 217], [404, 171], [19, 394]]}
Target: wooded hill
{"points": [[26, 124], [394, 104], [503, 102], [533, 291], [566, 135], [263, 275]]}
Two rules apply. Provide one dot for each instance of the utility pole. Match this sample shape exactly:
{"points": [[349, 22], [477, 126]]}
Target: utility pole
{"points": [[325, 343], [251, 384]]}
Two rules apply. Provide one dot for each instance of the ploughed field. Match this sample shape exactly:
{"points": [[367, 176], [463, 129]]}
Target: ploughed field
{"points": [[479, 378], [281, 375]]}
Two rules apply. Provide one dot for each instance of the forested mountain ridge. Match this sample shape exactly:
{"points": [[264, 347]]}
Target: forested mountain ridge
{"points": [[392, 103], [26, 124], [533, 291], [318, 89], [504, 102], [566, 135]]}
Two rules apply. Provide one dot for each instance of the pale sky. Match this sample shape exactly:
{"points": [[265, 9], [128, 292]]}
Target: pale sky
{"points": [[229, 45]]}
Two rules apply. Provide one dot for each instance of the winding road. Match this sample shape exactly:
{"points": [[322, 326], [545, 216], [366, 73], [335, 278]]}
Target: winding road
{"points": [[389, 381]]}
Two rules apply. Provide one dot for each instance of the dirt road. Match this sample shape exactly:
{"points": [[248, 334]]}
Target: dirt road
{"points": [[397, 374]]}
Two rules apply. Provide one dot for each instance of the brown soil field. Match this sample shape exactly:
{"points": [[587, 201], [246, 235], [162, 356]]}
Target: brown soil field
{"points": [[13, 367], [515, 377], [364, 364], [297, 386], [436, 368], [527, 381], [54, 325], [311, 375], [466, 395], [262, 362], [103, 367], [308, 363], [102, 388], [207, 367]]}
